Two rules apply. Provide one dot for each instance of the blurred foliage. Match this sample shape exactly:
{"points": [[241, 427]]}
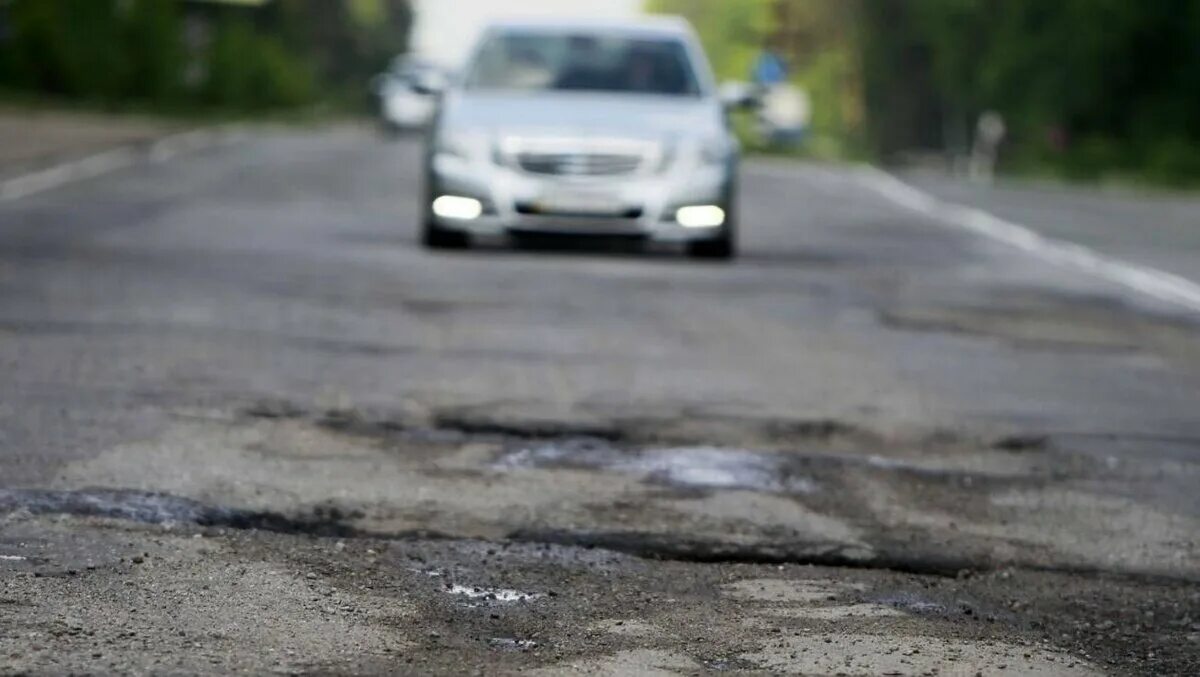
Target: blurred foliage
{"points": [[64, 47], [177, 55], [732, 32], [817, 41], [1088, 88], [367, 13], [345, 41], [154, 50], [249, 71]]}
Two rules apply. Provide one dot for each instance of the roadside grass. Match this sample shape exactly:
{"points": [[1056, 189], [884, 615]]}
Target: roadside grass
{"points": [[815, 146], [331, 109]]}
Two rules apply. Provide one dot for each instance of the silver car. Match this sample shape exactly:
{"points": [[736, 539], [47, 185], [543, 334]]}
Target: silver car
{"points": [[611, 129]]}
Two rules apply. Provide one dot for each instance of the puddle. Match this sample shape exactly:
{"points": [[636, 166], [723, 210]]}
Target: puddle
{"points": [[717, 468], [136, 506], [491, 594], [512, 644], [713, 467], [158, 508], [699, 467]]}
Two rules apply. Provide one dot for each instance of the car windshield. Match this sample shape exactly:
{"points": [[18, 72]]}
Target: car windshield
{"points": [[533, 61]]}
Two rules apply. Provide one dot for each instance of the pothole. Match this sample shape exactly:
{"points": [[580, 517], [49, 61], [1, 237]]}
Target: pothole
{"points": [[512, 644], [457, 423], [910, 603], [159, 508], [681, 467]]}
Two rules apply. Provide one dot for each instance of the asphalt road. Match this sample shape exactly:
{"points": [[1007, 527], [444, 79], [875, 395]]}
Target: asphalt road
{"points": [[1157, 229], [247, 423]]}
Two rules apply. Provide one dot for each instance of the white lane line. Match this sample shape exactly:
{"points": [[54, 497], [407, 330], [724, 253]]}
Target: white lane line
{"points": [[12, 558], [58, 175], [1158, 284], [112, 160]]}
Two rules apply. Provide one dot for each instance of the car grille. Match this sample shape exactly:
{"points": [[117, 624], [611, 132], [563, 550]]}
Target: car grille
{"points": [[579, 164]]}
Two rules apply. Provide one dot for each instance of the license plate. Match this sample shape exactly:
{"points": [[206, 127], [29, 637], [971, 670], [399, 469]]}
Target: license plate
{"points": [[579, 203]]}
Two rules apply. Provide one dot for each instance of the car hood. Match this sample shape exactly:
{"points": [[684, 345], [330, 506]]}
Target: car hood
{"points": [[581, 114]]}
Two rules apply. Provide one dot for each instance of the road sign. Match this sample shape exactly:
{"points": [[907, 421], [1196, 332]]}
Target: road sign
{"points": [[769, 69]]}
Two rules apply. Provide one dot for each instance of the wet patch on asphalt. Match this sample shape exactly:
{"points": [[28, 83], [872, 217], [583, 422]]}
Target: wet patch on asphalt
{"points": [[164, 509], [159, 508], [684, 467], [709, 467], [858, 499], [512, 644], [456, 425], [600, 609], [480, 422], [732, 616], [492, 595], [673, 547]]}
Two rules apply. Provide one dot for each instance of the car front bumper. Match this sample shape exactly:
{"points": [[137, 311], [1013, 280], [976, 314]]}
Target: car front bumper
{"points": [[642, 205]]}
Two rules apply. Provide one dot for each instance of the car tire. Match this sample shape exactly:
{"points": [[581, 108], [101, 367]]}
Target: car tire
{"points": [[434, 237], [721, 248]]}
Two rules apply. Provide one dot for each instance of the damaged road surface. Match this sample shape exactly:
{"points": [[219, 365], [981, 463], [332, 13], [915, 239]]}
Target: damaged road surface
{"points": [[247, 424]]}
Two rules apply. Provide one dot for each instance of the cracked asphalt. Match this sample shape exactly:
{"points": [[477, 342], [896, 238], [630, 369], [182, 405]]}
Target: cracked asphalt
{"points": [[248, 425]]}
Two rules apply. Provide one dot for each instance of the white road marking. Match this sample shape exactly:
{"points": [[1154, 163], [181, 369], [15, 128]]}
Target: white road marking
{"points": [[112, 160], [1157, 284], [12, 558]]}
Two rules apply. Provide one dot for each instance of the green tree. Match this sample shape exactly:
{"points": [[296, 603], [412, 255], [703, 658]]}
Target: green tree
{"points": [[733, 33], [1087, 86], [282, 53], [818, 38], [65, 47], [153, 40], [251, 71]]}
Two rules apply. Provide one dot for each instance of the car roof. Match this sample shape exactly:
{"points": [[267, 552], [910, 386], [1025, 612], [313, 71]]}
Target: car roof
{"points": [[664, 26]]}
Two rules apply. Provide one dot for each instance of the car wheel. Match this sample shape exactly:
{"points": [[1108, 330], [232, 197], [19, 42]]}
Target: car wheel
{"points": [[435, 237], [719, 248]]}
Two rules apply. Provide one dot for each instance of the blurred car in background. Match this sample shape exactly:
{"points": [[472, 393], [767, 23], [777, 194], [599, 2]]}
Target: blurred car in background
{"points": [[405, 95], [612, 129], [784, 113]]}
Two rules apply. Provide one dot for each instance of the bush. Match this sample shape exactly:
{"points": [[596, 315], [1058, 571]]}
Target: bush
{"points": [[1173, 162], [253, 72], [153, 32], [117, 51], [65, 47]]}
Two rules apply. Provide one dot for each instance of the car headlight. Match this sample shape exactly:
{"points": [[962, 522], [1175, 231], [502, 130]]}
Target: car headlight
{"points": [[700, 216]]}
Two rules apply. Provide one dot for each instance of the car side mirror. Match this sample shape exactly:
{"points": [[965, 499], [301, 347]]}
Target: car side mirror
{"points": [[429, 83], [738, 96]]}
